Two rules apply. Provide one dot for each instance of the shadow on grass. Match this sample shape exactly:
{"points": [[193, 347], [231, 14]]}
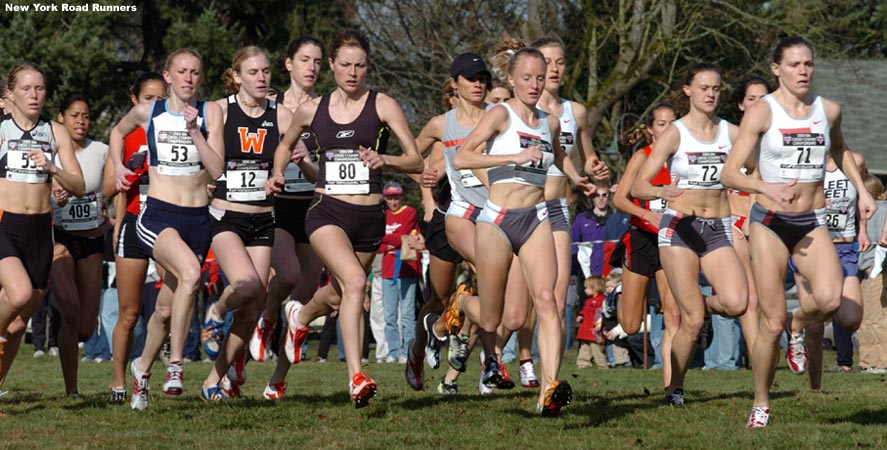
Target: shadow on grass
{"points": [[866, 417], [432, 399], [600, 410]]}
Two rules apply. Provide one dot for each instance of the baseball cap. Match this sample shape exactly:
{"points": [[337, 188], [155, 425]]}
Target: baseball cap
{"points": [[392, 188], [468, 65]]}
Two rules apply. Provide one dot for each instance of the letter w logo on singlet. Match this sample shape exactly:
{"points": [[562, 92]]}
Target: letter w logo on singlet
{"points": [[252, 142]]}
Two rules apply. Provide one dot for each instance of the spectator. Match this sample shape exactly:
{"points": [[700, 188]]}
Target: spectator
{"points": [[45, 327], [400, 275], [590, 335], [872, 332], [596, 226]]}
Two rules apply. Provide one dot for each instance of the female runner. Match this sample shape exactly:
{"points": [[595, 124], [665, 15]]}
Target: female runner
{"points": [[694, 233], [79, 240], [184, 147], [848, 233], [751, 90], [469, 82], [514, 219], [29, 145], [641, 261], [130, 256], [797, 129], [296, 268], [345, 222], [242, 220]]}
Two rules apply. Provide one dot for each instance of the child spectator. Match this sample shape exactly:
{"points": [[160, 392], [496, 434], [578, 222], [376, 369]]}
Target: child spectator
{"points": [[590, 335]]}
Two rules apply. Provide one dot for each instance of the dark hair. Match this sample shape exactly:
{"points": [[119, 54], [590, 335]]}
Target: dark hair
{"points": [[746, 83], [348, 39], [679, 99], [72, 98], [144, 78], [642, 132], [11, 77], [294, 47], [786, 43], [449, 93]]}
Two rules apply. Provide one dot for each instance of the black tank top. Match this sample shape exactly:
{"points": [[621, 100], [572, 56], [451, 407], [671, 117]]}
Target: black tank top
{"points": [[340, 170], [249, 155]]}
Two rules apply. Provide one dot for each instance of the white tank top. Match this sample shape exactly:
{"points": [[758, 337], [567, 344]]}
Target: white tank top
{"points": [[516, 138], [16, 143], [699, 164], [84, 213], [794, 148], [568, 136], [840, 209]]}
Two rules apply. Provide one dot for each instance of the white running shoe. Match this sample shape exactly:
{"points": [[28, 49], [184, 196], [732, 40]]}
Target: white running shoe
{"points": [[796, 356], [140, 386], [759, 417], [295, 335], [173, 384], [528, 375], [261, 340]]}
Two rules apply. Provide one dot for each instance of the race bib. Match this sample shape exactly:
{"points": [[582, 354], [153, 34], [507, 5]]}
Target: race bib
{"points": [[534, 174], [345, 173], [294, 180], [836, 219], [705, 168], [803, 156], [567, 140], [80, 213], [245, 180], [657, 205], [469, 179], [20, 167], [176, 154]]}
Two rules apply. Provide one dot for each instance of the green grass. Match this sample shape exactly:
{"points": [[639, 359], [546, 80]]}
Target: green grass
{"points": [[611, 408]]}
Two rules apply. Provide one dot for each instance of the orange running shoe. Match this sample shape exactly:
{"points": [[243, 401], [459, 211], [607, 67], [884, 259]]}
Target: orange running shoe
{"points": [[453, 316], [363, 388]]}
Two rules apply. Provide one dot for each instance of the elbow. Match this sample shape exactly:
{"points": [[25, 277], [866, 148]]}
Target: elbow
{"points": [[418, 165], [458, 162], [636, 191], [79, 188]]}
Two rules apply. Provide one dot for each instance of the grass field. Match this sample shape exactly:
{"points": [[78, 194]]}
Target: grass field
{"points": [[615, 408]]}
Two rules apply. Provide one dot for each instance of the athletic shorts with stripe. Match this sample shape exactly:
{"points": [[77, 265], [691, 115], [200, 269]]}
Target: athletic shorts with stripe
{"points": [[192, 224], [559, 215], [128, 243], [699, 234], [790, 228], [515, 224]]}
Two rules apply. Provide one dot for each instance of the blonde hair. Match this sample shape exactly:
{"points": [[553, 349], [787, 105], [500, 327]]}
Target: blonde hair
{"points": [[449, 93], [182, 51], [595, 283], [502, 58], [615, 276], [242, 55], [874, 187]]}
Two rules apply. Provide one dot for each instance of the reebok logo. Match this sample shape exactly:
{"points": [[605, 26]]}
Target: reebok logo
{"points": [[344, 134]]}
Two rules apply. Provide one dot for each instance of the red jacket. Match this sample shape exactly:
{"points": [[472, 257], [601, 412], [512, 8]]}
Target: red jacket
{"points": [[590, 328], [398, 223]]}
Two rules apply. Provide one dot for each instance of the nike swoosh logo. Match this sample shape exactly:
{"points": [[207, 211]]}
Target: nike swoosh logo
{"points": [[567, 120], [817, 122], [721, 147]]}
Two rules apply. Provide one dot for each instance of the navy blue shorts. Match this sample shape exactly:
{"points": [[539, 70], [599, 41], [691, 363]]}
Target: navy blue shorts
{"points": [[129, 245], [192, 223]]}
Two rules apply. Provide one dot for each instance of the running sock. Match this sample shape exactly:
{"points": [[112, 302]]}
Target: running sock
{"points": [[524, 361]]}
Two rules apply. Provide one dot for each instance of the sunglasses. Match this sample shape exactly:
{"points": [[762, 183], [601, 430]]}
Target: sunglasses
{"points": [[604, 195]]}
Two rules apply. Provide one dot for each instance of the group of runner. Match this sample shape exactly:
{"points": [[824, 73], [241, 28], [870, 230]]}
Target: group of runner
{"points": [[280, 188]]}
